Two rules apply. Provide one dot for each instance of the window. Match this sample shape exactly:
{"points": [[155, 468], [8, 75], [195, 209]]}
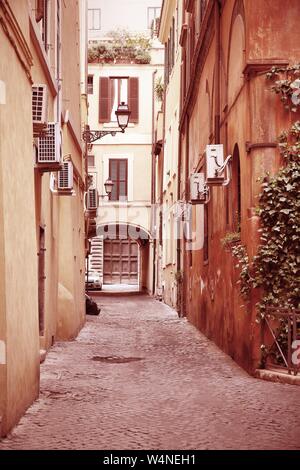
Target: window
{"points": [[118, 173], [94, 19], [170, 52], [41, 15], [153, 13], [114, 90], [91, 160], [90, 84], [119, 94]]}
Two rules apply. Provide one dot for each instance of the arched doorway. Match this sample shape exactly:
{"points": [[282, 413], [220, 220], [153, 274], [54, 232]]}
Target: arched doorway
{"points": [[122, 255]]}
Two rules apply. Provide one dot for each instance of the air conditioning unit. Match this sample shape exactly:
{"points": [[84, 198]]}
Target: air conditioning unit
{"points": [[198, 189], [92, 199], [49, 147], [39, 108], [65, 177], [215, 164]]}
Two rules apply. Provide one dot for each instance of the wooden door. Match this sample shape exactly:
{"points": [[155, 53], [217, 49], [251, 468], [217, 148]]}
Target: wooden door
{"points": [[120, 262]]}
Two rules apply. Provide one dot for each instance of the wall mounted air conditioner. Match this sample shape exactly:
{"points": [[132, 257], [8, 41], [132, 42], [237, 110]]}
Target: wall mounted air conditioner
{"points": [[65, 177], [199, 191], [92, 200], [217, 170], [214, 162], [49, 154], [39, 109]]}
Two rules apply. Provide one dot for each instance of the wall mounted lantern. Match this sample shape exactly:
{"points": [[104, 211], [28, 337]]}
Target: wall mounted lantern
{"points": [[123, 115]]}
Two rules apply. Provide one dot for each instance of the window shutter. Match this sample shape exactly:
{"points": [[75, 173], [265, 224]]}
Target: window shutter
{"points": [[104, 100], [133, 99], [118, 173], [39, 13]]}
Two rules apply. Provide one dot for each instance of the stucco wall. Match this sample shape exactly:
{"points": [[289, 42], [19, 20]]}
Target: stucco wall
{"points": [[26, 204], [19, 376], [249, 112]]}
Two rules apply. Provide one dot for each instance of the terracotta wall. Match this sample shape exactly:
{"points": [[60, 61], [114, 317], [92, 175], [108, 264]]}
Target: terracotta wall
{"points": [[253, 37]]}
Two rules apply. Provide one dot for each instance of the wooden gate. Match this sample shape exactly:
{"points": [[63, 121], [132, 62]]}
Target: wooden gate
{"points": [[120, 262]]}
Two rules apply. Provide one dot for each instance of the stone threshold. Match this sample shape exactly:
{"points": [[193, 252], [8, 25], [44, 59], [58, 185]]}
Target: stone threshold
{"points": [[278, 376]]}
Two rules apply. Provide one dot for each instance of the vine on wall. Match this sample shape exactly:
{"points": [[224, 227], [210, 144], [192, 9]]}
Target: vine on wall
{"points": [[276, 266]]}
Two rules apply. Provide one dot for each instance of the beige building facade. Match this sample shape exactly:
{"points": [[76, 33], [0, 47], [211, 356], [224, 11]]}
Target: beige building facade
{"points": [[42, 227], [122, 252], [167, 168]]}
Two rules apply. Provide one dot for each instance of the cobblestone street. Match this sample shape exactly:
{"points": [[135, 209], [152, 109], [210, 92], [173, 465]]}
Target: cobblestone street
{"points": [[137, 377]]}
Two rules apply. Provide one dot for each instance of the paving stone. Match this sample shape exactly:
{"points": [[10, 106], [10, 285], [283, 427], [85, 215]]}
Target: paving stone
{"points": [[159, 384]]}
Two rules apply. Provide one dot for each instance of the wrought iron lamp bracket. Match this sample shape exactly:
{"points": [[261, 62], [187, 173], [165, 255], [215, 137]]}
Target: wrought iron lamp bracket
{"points": [[92, 136]]}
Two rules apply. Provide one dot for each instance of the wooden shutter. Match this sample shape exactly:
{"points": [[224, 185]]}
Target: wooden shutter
{"points": [[39, 13], [118, 173], [133, 98], [123, 179], [104, 100]]}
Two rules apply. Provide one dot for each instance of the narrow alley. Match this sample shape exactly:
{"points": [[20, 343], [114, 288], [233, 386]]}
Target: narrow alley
{"points": [[138, 377]]}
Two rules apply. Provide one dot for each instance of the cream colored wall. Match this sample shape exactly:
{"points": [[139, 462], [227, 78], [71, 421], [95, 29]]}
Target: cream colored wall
{"points": [[26, 203], [132, 14], [170, 168], [19, 376], [71, 73], [139, 133], [46, 204], [71, 247], [134, 144], [71, 306]]}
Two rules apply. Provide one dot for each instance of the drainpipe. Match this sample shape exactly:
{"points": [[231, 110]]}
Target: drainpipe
{"points": [[153, 182], [218, 67], [178, 250]]}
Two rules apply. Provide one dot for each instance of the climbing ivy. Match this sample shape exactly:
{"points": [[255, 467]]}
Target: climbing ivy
{"points": [[276, 267], [246, 280], [287, 85]]}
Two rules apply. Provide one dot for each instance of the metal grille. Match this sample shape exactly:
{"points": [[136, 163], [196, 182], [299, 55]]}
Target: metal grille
{"points": [[65, 176], [39, 97], [92, 199], [49, 145]]}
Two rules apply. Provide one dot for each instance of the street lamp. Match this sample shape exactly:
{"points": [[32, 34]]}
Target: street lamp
{"points": [[109, 184], [123, 115]]}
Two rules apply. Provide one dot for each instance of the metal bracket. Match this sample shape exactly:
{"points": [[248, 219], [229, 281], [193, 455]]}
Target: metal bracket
{"points": [[204, 196], [92, 136]]}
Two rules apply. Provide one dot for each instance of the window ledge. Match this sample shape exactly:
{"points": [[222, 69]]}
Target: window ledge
{"points": [[114, 125]]}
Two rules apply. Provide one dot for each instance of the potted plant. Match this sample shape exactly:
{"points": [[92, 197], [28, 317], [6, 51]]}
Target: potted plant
{"points": [[231, 239], [159, 89], [143, 57]]}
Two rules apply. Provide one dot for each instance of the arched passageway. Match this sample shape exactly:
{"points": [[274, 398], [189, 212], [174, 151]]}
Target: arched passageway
{"points": [[121, 254]]}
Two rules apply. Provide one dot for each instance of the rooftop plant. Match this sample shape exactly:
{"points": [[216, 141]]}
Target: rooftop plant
{"points": [[123, 46]]}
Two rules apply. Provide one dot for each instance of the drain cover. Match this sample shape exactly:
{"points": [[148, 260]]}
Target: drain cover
{"points": [[116, 359]]}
